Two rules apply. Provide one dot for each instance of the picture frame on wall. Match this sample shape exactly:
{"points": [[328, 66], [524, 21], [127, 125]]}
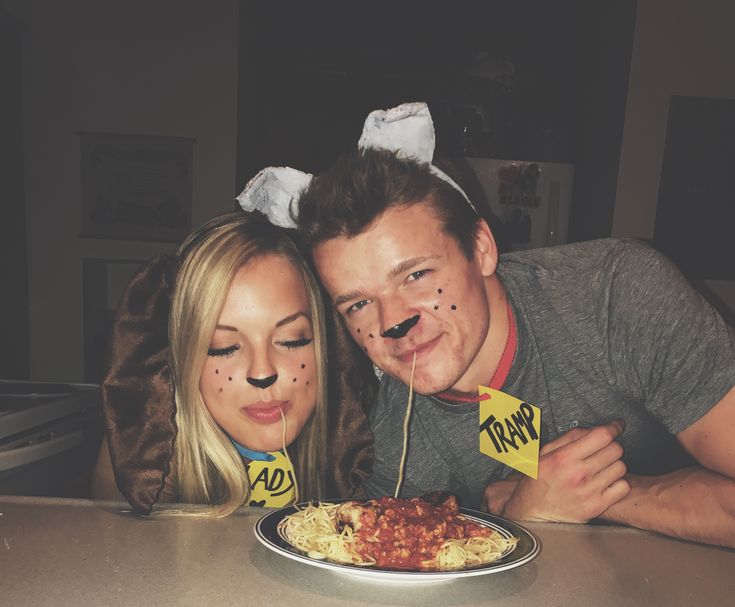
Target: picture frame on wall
{"points": [[136, 187]]}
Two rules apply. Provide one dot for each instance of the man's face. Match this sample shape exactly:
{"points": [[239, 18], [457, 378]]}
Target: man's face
{"points": [[405, 287]]}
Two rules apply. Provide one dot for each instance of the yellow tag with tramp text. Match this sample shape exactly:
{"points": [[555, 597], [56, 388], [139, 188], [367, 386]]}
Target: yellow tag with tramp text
{"points": [[510, 431]]}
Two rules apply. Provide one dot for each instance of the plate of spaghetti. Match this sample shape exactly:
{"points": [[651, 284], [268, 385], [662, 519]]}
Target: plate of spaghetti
{"points": [[393, 539]]}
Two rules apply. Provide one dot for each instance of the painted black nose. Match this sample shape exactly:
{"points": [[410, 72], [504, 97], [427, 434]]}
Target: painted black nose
{"points": [[263, 382], [400, 330]]}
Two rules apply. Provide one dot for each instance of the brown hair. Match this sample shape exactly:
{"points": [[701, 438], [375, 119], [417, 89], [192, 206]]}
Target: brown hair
{"points": [[347, 198]]}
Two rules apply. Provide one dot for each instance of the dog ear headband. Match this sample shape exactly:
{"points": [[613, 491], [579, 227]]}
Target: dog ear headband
{"points": [[406, 130]]}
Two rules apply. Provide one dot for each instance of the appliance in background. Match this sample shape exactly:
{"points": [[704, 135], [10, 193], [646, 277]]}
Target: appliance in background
{"points": [[531, 199], [50, 434]]}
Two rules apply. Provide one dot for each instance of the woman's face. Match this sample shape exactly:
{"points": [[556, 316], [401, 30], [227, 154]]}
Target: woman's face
{"points": [[261, 361]]}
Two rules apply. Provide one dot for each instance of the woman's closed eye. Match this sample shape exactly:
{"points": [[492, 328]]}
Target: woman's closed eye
{"points": [[223, 352], [296, 343]]}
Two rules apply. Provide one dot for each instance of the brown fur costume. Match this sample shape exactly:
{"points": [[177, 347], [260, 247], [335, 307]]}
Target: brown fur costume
{"points": [[140, 411]]}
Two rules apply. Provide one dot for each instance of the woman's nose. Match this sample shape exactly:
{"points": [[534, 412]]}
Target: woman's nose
{"points": [[261, 371], [263, 382]]}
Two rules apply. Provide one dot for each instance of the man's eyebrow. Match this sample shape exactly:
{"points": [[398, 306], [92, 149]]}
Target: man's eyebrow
{"points": [[342, 299], [407, 264], [399, 269]]}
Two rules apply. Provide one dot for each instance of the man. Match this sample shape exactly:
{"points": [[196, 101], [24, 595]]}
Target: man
{"points": [[633, 371]]}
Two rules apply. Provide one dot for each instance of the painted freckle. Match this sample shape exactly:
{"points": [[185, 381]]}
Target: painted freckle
{"points": [[216, 371], [303, 365], [454, 307], [220, 390], [307, 383], [358, 330], [294, 379], [439, 291], [371, 336], [436, 307], [229, 378]]}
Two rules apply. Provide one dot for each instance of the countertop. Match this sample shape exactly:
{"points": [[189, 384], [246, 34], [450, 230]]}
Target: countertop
{"points": [[85, 553]]}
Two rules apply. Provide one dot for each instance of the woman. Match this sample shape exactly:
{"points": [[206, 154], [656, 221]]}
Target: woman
{"points": [[248, 361]]}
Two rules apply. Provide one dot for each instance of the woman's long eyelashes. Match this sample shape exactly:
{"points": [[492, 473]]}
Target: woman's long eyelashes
{"points": [[297, 343], [223, 352]]}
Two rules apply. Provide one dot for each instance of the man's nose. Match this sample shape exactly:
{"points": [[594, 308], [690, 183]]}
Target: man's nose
{"points": [[397, 316], [402, 328]]}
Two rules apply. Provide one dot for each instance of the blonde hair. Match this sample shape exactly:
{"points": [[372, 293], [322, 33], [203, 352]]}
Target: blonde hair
{"points": [[208, 468]]}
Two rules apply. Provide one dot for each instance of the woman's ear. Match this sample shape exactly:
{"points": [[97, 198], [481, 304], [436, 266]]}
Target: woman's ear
{"points": [[486, 250]]}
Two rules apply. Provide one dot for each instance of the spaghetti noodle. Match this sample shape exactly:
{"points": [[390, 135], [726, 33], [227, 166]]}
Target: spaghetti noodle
{"points": [[395, 534]]}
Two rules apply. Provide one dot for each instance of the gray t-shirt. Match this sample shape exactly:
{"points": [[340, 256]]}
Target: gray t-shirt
{"points": [[606, 329]]}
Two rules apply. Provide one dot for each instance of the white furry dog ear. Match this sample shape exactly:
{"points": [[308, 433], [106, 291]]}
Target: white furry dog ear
{"points": [[407, 130], [273, 192]]}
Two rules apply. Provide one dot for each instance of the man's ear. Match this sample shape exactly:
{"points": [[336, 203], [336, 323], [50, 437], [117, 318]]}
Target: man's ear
{"points": [[486, 251]]}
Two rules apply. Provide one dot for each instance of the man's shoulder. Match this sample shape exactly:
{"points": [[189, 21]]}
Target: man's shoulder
{"points": [[575, 259]]}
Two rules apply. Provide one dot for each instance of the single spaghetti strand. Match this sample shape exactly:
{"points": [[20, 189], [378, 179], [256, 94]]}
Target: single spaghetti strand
{"points": [[405, 429], [285, 452]]}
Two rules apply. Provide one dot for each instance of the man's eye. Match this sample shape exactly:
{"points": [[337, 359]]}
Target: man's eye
{"points": [[357, 306], [223, 352], [417, 274], [296, 343]]}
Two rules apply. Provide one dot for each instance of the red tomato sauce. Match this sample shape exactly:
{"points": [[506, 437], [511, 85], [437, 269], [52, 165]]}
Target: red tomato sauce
{"points": [[406, 534]]}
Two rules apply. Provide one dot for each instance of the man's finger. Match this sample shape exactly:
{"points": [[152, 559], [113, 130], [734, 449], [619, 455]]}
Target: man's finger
{"points": [[597, 438], [566, 438], [615, 492], [604, 457], [607, 477]]}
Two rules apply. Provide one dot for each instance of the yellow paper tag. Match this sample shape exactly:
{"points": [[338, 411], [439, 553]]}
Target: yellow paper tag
{"points": [[271, 483], [510, 431]]}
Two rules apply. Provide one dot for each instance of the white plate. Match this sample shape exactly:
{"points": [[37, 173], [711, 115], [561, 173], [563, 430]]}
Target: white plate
{"points": [[266, 530]]}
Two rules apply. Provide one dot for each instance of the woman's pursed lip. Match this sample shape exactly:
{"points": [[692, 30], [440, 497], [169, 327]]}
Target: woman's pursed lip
{"points": [[266, 412]]}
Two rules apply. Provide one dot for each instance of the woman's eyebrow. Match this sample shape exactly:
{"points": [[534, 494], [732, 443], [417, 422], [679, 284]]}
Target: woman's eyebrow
{"points": [[291, 318], [225, 328]]}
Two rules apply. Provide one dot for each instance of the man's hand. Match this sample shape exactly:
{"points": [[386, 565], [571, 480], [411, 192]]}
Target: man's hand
{"points": [[580, 475]]}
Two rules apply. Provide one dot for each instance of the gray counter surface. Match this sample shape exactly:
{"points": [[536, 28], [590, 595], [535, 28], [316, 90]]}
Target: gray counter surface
{"points": [[84, 553]]}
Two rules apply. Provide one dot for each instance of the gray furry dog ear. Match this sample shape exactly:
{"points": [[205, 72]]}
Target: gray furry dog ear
{"points": [[274, 192]]}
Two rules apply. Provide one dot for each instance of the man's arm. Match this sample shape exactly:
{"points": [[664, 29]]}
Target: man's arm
{"points": [[694, 503]]}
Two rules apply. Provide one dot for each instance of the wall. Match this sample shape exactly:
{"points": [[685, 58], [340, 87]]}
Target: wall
{"points": [[679, 48], [153, 68]]}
